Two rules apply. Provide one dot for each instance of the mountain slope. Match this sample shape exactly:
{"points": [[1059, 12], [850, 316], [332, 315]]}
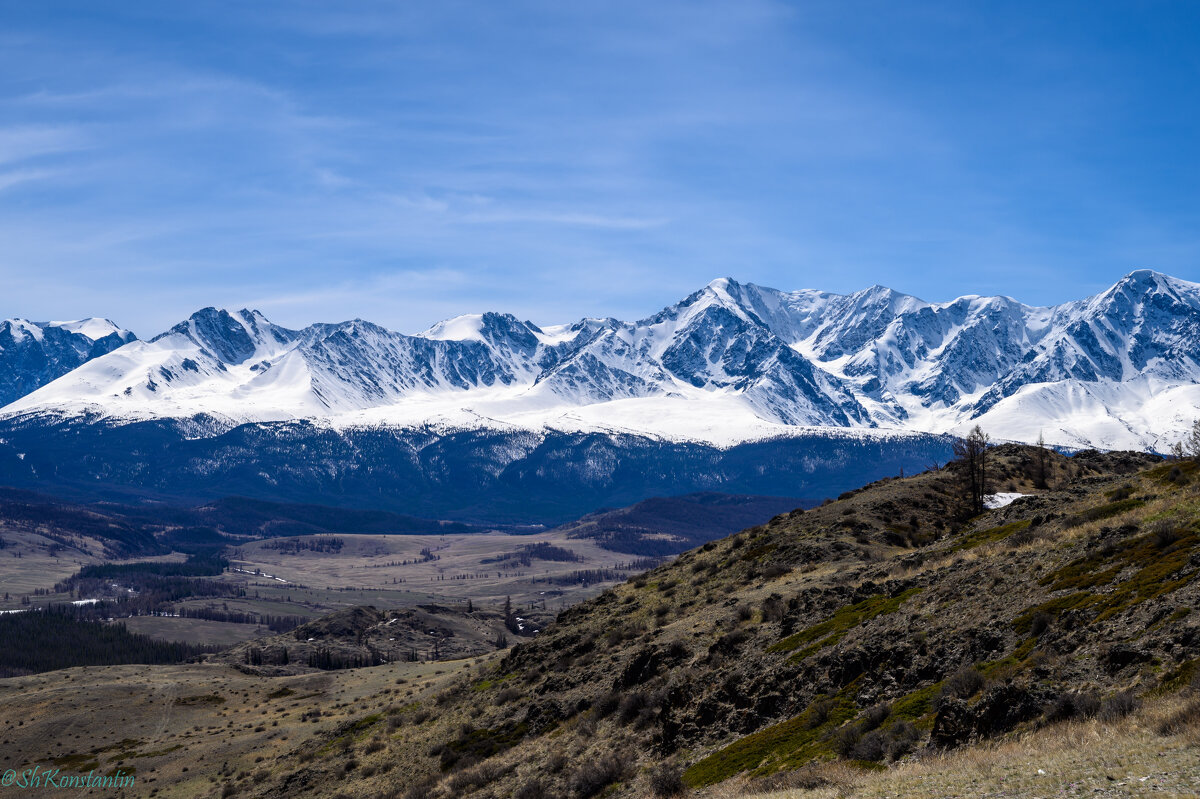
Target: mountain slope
{"points": [[729, 363], [483, 476], [867, 629], [33, 354]]}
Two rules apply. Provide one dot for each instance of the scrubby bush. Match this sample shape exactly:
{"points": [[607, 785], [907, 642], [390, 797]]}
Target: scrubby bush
{"points": [[507, 695], [775, 570], [1186, 719], [820, 713], [473, 779], [1119, 705], [869, 747], [773, 608], [1164, 533], [876, 715], [533, 789], [1073, 706], [606, 703], [667, 780], [846, 738], [595, 775], [902, 737], [963, 683]]}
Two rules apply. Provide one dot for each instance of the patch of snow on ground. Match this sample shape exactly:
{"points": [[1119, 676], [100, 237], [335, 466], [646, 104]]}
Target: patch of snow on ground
{"points": [[993, 501]]}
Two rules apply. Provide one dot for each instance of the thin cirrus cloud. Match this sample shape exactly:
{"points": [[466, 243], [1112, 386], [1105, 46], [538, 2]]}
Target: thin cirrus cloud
{"points": [[403, 162]]}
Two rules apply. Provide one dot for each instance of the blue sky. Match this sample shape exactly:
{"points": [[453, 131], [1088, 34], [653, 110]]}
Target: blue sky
{"points": [[404, 162]]}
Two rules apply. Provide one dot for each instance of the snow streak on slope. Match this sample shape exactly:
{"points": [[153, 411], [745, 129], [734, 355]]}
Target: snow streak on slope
{"points": [[730, 362]]}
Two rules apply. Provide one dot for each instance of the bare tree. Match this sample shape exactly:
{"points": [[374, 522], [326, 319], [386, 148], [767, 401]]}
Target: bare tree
{"points": [[970, 453], [1041, 461]]}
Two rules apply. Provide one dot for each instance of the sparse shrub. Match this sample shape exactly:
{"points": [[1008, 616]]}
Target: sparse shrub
{"points": [[744, 613], [631, 707], [1124, 492], [479, 777], [846, 738], [870, 747], [1073, 706], [806, 779], [556, 762], [727, 644], [902, 737], [875, 715], [533, 789], [506, 695], [422, 789], [678, 650], [667, 780], [605, 704], [1164, 533], [1186, 719], [963, 684], [1039, 623], [773, 608], [1119, 705], [820, 713], [596, 775], [774, 571]]}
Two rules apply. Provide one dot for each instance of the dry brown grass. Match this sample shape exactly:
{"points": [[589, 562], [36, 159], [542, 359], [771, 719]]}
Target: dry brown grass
{"points": [[1131, 757]]}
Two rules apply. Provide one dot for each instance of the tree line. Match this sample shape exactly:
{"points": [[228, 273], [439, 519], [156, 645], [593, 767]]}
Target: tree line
{"points": [[55, 638]]}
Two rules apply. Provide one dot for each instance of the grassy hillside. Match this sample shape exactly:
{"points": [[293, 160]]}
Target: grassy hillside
{"points": [[878, 645], [866, 631]]}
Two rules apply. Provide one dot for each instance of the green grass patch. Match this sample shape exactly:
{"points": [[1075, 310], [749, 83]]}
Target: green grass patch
{"points": [[916, 707], [989, 536], [200, 699], [483, 743], [1007, 666], [1154, 564], [78, 762], [1054, 608], [813, 649], [758, 552], [844, 619], [789, 744], [1162, 473], [1107, 511], [1178, 678]]}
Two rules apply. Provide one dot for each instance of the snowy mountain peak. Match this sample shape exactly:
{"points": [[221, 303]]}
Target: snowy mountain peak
{"points": [[33, 354], [232, 338], [94, 329], [729, 361]]}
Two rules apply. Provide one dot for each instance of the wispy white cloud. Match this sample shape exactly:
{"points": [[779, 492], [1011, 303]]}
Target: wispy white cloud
{"points": [[562, 159]]}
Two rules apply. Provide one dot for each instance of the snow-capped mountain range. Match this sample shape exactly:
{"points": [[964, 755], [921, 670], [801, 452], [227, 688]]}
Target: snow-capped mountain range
{"points": [[35, 353], [731, 362]]}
